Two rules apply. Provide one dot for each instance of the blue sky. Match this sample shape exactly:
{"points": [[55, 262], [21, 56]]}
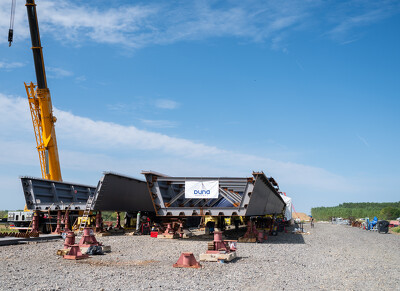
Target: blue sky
{"points": [[307, 91]]}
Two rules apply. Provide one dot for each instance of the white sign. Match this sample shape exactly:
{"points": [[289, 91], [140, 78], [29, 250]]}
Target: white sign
{"points": [[202, 189]]}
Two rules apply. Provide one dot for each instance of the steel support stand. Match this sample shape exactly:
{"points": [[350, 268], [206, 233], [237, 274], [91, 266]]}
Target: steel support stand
{"points": [[99, 222], [118, 226], [35, 222], [66, 221], [58, 228]]}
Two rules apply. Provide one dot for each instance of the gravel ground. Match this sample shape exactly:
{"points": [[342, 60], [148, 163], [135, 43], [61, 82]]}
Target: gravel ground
{"points": [[331, 257]]}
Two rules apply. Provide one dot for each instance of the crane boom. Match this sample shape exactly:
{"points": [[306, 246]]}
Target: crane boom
{"points": [[40, 105]]}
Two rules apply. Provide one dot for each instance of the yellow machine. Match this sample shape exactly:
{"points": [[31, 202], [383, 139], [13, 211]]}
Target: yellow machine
{"points": [[40, 105], [208, 218], [228, 220], [90, 221]]}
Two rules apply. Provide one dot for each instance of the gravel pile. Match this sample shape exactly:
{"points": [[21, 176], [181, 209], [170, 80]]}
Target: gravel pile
{"points": [[331, 257]]}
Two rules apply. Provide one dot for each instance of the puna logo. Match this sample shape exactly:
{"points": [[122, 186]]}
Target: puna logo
{"points": [[199, 192]]}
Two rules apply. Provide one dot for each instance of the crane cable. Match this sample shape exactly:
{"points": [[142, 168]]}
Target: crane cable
{"points": [[11, 30]]}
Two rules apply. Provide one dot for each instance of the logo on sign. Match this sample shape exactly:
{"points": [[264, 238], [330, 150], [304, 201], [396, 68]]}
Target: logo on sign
{"points": [[199, 192], [202, 189]]}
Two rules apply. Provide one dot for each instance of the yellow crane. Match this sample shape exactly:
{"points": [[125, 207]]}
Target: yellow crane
{"points": [[41, 109], [40, 105]]}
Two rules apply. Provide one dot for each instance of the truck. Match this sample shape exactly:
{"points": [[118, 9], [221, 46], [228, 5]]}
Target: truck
{"points": [[20, 220]]}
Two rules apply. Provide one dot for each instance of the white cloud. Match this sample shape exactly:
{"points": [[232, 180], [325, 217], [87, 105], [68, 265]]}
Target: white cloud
{"points": [[159, 123], [143, 104], [11, 65], [117, 107], [58, 73], [349, 16], [14, 113], [88, 147], [166, 104], [80, 79], [11, 190], [103, 135], [356, 21], [140, 25], [97, 145], [363, 140], [21, 28]]}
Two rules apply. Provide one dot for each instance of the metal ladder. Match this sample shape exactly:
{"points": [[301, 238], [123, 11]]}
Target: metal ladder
{"points": [[85, 215]]}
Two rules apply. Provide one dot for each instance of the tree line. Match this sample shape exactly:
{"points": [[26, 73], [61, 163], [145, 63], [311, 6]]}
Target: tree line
{"points": [[384, 211]]}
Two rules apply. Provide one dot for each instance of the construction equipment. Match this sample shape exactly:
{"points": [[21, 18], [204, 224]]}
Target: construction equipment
{"points": [[85, 216], [40, 105], [43, 124]]}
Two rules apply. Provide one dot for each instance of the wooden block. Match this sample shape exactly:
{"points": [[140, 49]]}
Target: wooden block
{"points": [[215, 257], [62, 252], [247, 240], [169, 236], [106, 249], [187, 235]]}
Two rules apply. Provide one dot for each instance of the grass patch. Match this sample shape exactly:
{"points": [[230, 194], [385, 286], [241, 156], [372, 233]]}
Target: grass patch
{"points": [[396, 229], [110, 216], [5, 228]]}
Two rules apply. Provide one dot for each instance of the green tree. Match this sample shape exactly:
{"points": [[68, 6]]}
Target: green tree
{"points": [[389, 213], [386, 210]]}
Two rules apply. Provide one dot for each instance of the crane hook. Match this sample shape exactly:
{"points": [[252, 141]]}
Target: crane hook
{"points": [[11, 30]]}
